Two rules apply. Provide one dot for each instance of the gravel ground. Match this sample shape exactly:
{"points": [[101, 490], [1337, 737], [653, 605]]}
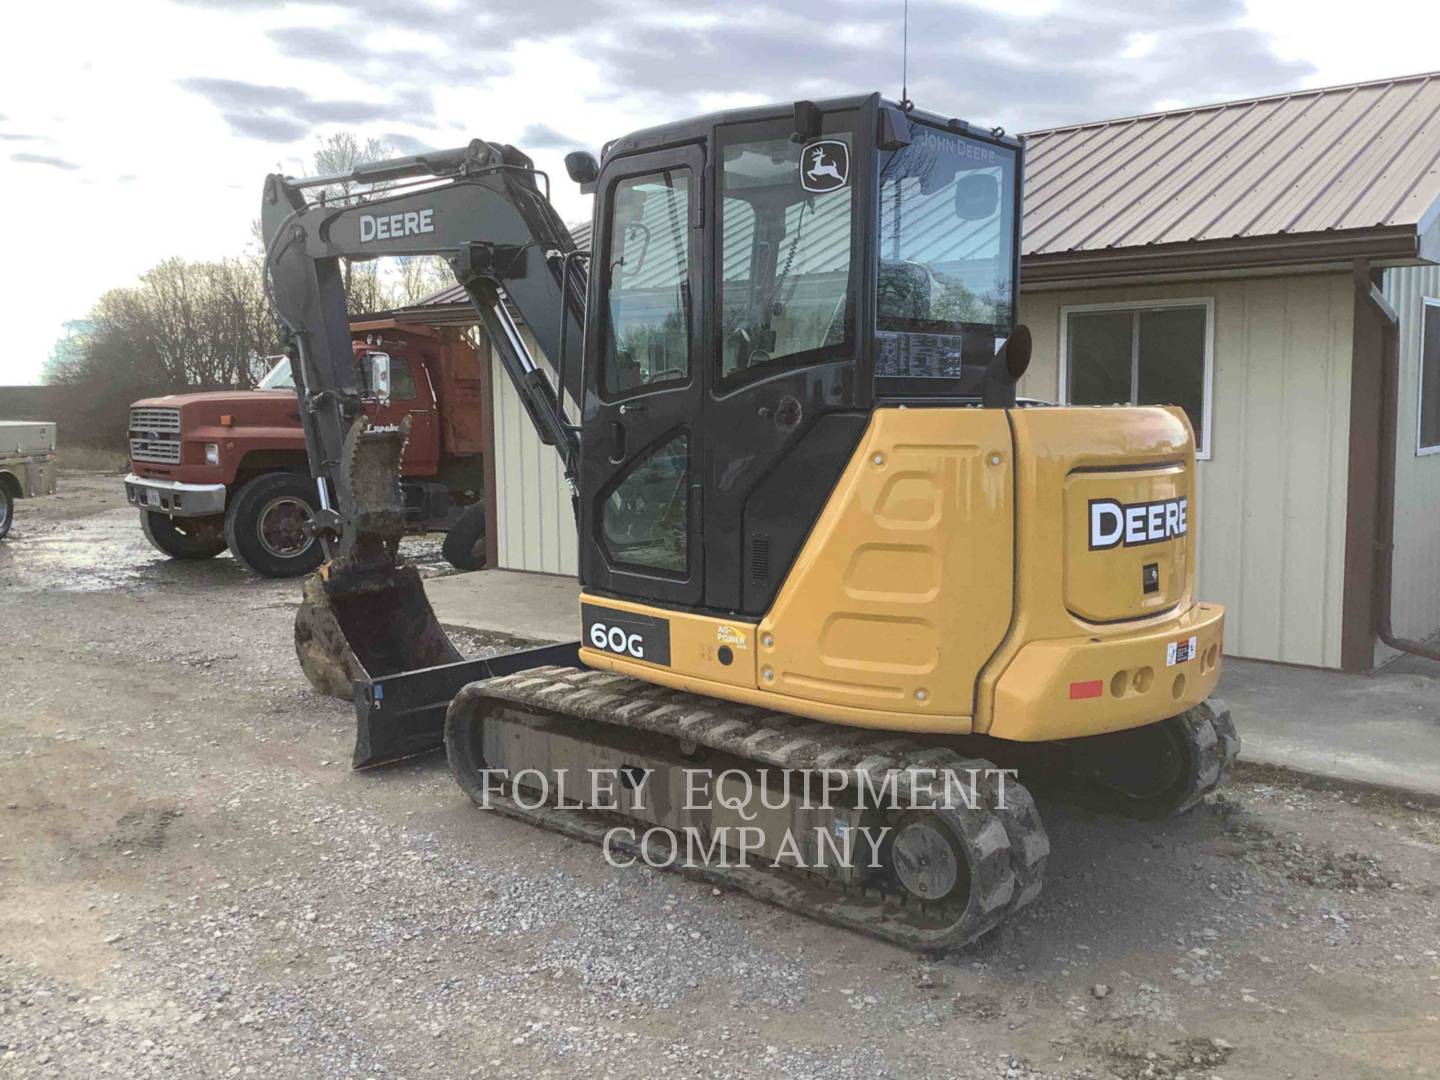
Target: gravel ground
{"points": [[194, 884]]}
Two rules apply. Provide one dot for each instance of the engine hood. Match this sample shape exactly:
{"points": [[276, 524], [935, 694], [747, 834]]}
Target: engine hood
{"points": [[245, 408]]}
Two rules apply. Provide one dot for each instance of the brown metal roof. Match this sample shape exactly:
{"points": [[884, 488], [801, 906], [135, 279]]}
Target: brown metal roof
{"points": [[1340, 172]]}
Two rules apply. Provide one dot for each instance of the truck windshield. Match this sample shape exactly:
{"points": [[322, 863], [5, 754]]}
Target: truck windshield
{"points": [[278, 377], [947, 256]]}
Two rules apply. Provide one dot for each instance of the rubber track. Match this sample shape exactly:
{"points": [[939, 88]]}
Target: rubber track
{"points": [[1008, 845], [1214, 746]]}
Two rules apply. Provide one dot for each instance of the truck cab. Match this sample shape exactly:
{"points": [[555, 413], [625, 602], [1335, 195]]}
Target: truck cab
{"points": [[227, 468]]}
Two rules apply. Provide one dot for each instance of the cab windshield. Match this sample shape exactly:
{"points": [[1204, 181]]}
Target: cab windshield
{"points": [[785, 216], [278, 377], [947, 254]]}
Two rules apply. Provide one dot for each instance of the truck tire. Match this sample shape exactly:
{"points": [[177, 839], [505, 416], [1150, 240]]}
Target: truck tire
{"points": [[464, 546], [7, 510], [265, 525], [184, 538]]}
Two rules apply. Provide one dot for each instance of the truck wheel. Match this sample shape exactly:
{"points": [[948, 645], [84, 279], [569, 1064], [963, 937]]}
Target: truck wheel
{"points": [[184, 538], [464, 546], [7, 510], [266, 525]]}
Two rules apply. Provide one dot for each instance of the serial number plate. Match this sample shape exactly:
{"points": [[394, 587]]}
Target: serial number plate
{"points": [[1177, 652]]}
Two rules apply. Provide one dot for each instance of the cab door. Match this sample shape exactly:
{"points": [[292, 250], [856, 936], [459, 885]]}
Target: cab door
{"points": [[642, 440]]}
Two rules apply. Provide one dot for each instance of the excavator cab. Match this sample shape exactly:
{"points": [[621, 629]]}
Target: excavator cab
{"points": [[761, 282]]}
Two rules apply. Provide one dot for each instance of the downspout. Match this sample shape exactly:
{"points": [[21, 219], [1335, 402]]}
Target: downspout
{"points": [[1380, 601]]}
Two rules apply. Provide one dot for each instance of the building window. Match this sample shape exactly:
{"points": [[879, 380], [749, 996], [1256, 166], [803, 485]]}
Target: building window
{"points": [[1155, 354], [1429, 418]]}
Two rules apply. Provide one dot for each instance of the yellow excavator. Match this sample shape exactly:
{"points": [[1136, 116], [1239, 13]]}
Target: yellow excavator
{"points": [[819, 534]]}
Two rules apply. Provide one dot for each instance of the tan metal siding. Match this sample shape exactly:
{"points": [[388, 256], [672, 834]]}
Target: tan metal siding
{"points": [[1415, 603], [1271, 520], [536, 524]]}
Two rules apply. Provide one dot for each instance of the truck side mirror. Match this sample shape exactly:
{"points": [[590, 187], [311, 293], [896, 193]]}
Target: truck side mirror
{"points": [[377, 375]]}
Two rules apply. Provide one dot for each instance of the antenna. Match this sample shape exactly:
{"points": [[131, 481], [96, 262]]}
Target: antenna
{"points": [[905, 102]]}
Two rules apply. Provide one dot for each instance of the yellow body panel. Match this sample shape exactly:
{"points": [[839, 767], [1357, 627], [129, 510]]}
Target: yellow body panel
{"points": [[1137, 452], [904, 609]]}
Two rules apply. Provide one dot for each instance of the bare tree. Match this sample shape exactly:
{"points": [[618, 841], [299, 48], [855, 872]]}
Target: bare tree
{"points": [[340, 153]]}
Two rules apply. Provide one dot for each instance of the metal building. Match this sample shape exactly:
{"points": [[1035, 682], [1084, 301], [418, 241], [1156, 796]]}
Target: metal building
{"points": [[1221, 258]]}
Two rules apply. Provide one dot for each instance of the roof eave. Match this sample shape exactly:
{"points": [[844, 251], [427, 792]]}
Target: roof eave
{"points": [[1393, 244]]}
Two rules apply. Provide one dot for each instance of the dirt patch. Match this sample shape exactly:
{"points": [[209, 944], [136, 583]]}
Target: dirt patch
{"points": [[143, 828], [1317, 866], [1129, 1059], [982, 1007]]}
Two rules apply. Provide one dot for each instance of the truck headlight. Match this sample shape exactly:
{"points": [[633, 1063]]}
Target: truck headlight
{"points": [[212, 453]]}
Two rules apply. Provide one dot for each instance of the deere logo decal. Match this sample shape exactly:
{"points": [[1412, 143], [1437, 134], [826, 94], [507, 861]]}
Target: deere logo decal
{"points": [[1116, 524], [394, 226]]}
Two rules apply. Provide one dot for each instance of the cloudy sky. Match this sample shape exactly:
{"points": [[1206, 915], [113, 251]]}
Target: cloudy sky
{"points": [[133, 131]]}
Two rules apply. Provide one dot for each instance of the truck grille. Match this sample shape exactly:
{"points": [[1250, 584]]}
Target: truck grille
{"points": [[155, 435]]}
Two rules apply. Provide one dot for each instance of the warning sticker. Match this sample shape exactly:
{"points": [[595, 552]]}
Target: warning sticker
{"points": [[1177, 652]]}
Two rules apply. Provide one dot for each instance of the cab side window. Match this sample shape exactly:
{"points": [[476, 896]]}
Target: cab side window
{"points": [[647, 332], [402, 379]]}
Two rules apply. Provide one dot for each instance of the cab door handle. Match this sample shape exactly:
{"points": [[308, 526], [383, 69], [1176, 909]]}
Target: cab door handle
{"points": [[617, 438]]}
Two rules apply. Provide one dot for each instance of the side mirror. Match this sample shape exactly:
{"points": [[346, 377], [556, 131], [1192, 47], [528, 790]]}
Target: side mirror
{"points": [[977, 197], [377, 374], [583, 169]]}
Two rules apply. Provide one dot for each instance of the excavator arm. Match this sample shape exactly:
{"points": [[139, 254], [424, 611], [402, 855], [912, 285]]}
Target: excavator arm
{"points": [[481, 208]]}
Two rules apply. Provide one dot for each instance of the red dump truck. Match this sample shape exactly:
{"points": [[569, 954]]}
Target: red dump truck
{"points": [[227, 469]]}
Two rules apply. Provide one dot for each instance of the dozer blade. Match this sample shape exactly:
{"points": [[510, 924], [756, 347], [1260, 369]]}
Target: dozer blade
{"points": [[363, 615]]}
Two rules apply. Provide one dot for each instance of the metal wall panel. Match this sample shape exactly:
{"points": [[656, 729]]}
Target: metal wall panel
{"points": [[1271, 514], [1415, 604], [536, 523]]}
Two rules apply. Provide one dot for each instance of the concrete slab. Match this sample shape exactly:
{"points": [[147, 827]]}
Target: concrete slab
{"points": [[1377, 729], [537, 606]]}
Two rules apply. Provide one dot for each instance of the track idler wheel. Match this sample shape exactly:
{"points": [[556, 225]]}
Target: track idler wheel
{"points": [[1161, 769]]}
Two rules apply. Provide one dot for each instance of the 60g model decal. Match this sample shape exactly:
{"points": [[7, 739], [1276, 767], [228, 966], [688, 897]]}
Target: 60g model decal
{"points": [[1113, 523], [635, 637]]}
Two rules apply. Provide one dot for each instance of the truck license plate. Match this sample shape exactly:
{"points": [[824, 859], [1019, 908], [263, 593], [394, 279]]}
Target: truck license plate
{"points": [[1177, 652], [152, 498]]}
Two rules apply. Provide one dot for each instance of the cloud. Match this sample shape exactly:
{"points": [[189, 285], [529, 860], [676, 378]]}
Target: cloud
{"points": [[45, 159], [277, 129], [284, 114], [315, 43], [1081, 61], [544, 137], [406, 144]]}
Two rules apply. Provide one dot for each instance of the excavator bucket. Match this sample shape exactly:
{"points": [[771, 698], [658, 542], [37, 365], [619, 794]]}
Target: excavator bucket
{"points": [[364, 615]]}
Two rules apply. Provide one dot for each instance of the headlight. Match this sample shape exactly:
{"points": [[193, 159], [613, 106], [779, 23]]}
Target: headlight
{"points": [[212, 453]]}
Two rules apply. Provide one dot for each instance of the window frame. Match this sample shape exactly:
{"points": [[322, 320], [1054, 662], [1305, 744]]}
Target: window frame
{"points": [[1207, 378], [1421, 450]]}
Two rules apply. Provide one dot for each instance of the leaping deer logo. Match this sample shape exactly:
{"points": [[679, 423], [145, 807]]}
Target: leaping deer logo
{"points": [[828, 164], [819, 167]]}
